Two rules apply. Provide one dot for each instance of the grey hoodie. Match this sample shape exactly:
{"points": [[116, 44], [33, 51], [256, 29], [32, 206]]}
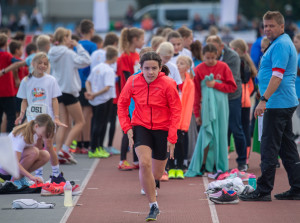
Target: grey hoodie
{"points": [[64, 67]]}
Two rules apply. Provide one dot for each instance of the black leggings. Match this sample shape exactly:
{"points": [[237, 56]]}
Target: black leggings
{"points": [[99, 123], [112, 122], [246, 124], [179, 152]]}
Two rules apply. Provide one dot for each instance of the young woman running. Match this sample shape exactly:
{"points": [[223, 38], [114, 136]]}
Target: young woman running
{"points": [[64, 67], [152, 131]]}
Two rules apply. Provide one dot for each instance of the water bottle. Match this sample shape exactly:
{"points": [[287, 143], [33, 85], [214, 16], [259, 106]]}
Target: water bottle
{"points": [[252, 181], [68, 202]]}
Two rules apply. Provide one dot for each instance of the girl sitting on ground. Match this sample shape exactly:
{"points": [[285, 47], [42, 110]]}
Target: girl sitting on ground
{"points": [[24, 138]]}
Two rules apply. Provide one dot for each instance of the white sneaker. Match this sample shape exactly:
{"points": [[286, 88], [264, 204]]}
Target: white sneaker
{"points": [[144, 193]]}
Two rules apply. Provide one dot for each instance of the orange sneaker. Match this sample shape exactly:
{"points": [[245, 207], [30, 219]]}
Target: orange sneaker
{"points": [[165, 176], [125, 166], [52, 190]]}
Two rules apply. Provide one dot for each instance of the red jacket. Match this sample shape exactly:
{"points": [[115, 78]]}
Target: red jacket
{"points": [[221, 72], [157, 105]]}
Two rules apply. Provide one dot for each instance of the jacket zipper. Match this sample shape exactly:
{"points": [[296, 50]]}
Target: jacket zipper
{"points": [[150, 107]]}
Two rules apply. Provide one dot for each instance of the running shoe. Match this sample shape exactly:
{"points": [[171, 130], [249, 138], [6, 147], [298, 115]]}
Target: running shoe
{"points": [[144, 193], [84, 151], [52, 189], [288, 195], [223, 176], [179, 174], [39, 185], [154, 212], [73, 146], [94, 154], [76, 190], [102, 152], [60, 178], [67, 156], [125, 166], [63, 161], [113, 150], [255, 196], [136, 166], [107, 149], [18, 183], [215, 195], [77, 150], [172, 174], [165, 176], [227, 197]]}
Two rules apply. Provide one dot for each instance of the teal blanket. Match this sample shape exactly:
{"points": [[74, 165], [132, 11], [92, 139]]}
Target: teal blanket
{"points": [[213, 132]]}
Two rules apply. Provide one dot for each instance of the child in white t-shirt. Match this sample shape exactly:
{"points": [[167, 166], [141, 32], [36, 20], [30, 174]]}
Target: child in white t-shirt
{"points": [[176, 40], [39, 92], [166, 52], [100, 87], [24, 139]]}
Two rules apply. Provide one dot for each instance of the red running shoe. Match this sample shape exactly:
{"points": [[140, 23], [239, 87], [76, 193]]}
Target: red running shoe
{"points": [[125, 166], [84, 151], [52, 190], [67, 156], [136, 167]]}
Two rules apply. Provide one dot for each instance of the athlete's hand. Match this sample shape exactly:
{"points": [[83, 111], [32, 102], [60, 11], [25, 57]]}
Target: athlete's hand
{"points": [[210, 84], [170, 149], [59, 123], [199, 121], [19, 119], [130, 137], [37, 180], [260, 109], [89, 95]]}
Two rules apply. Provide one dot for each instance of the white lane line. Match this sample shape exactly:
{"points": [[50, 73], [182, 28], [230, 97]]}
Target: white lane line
{"points": [[212, 207], [82, 187]]}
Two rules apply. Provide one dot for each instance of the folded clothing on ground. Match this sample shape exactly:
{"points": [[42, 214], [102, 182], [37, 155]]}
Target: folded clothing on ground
{"points": [[30, 204]]}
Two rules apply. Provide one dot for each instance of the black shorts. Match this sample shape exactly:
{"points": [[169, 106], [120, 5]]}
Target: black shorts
{"points": [[67, 99], [83, 101], [155, 139]]}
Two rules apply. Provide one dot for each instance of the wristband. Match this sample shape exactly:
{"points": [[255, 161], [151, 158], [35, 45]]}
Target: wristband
{"points": [[262, 98]]}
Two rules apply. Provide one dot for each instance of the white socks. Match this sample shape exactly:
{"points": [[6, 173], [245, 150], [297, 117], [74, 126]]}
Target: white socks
{"points": [[151, 204], [65, 148], [55, 170], [39, 172]]}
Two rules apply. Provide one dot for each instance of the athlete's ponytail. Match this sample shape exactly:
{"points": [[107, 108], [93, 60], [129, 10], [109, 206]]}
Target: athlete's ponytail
{"points": [[165, 70], [126, 37]]}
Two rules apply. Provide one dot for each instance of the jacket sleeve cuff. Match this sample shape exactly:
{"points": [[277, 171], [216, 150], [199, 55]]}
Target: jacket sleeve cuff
{"points": [[127, 129], [171, 140]]}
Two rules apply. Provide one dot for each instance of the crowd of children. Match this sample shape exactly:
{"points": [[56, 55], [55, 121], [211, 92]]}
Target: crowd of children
{"points": [[76, 85]]}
